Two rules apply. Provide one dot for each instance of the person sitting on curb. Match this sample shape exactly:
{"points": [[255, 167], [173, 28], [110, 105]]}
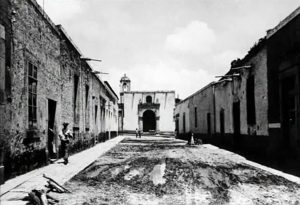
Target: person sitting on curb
{"points": [[65, 136]]}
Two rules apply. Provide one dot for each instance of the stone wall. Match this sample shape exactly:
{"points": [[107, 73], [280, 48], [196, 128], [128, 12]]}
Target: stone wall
{"points": [[36, 41], [219, 97], [203, 101], [182, 109], [5, 80]]}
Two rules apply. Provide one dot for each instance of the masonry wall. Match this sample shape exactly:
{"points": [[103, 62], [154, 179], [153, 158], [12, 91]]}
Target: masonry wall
{"points": [[77, 101], [259, 71], [220, 96], [224, 99], [183, 109], [254, 137], [203, 100], [5, 80], [36, 41]]}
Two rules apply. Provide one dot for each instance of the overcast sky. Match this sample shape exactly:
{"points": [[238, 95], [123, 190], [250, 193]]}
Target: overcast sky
{"points": [[166, 44]]}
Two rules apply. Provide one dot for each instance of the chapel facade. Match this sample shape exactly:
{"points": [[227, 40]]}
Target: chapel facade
{"points": [[149, 111]]}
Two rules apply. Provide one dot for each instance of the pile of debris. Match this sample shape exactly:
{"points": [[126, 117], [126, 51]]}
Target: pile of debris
{"points": [[42, 197]]}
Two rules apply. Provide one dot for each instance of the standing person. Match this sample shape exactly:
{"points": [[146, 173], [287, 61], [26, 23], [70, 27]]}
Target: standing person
{"points": [[65, 136], [140, 133], [136, 133]]}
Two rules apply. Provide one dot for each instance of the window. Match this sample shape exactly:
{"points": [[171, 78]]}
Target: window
{"points": [[222, 122], [96, 112], [148, 99], [251, 118], [87, 88], [196, 119], [76, 81], [125, 88], [32, 95]]}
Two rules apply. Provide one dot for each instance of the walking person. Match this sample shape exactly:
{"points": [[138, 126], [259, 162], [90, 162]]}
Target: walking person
{"points": [[65, 136], [136, 133]]}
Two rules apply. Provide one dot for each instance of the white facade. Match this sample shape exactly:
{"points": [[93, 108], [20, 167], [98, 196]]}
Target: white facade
{"points": [[149, 111]]}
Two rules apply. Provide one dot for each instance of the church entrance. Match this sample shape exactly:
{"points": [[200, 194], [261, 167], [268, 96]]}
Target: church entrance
{"points": [[149, 121]]}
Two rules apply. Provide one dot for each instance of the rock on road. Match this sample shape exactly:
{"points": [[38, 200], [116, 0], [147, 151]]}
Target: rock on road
{"points": [[156, 170]]}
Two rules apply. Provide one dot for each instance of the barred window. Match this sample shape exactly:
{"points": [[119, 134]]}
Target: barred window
{"points": [[32, 95]]}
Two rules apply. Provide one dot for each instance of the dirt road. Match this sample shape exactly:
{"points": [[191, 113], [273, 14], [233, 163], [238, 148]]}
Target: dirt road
{"points": [[155, 170]]}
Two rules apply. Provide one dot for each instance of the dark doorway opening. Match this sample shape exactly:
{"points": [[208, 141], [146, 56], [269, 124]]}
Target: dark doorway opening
{"points": [[149, 121], [236, 125], [51, 134], [289, 114], [177, 125], [208, 124], [222, 125], [183, 121]]}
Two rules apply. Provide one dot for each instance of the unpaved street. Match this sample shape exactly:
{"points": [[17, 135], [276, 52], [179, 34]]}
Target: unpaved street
{"points": [[155, 170]]}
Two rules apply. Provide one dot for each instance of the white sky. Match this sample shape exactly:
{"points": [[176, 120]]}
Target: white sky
{"points": [[166, 44]]}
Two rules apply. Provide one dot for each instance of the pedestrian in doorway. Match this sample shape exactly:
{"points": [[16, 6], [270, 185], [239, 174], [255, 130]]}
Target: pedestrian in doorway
{"points": [[140, 133], [65, 135], [136, 133]]}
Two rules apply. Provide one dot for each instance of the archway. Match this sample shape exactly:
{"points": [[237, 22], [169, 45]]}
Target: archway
{"points": [[149, 121]]}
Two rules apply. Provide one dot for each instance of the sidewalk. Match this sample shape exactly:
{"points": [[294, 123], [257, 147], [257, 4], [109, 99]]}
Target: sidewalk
{"points": [[287, 176], [14, 190]]}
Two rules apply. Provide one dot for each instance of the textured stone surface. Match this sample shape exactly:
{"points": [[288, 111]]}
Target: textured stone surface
{"points": [[38, 41]]}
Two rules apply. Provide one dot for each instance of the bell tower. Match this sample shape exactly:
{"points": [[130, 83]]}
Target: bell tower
{"points": [[124, 84]]}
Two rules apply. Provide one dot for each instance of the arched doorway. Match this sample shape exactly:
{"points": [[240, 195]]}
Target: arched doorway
{"points": [[149, 121]]}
